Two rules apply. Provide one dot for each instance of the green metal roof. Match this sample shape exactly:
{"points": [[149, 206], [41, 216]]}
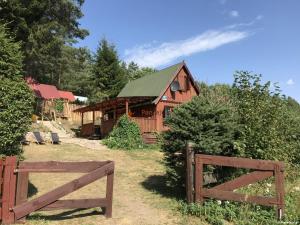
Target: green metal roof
{"points": [[150, 85]]}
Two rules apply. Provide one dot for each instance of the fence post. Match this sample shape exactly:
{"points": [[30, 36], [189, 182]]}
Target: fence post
{"points": [[189, 156], [9, 190], [109, 194], [279, 186]]}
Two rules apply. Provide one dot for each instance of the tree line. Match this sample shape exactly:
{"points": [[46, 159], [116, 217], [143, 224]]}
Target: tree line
{"points": [[47, 32]]}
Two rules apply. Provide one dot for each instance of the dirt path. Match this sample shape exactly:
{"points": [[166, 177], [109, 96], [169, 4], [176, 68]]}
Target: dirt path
{"points": [[134, 202]]}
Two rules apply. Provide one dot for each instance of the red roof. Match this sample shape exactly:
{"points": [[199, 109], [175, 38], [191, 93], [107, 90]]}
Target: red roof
{"points": [[67, 95], [46, 91]]}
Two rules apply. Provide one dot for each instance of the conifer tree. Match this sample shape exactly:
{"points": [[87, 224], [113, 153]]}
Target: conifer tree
{"points": [[108, 74]]}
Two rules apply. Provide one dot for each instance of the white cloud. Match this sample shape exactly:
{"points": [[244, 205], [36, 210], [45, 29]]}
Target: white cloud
{"points": [[164, 53], [259, 17], [234, 13], [290, 82]]}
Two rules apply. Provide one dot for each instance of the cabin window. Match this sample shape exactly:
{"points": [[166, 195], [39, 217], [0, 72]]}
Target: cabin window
{"points": [[187, 83], [167, 111]]}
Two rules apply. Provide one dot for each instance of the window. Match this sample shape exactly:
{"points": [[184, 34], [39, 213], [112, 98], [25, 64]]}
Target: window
{"points": [[167, 111], [187, 83]]}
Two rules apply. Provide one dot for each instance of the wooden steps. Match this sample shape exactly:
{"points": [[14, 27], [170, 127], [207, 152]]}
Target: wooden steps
{"points": [[149, 138]]}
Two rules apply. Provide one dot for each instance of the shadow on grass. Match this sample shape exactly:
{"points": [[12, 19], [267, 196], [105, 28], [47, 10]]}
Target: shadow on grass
{"points": [[159, 185], [32, 189], [66, 215]]}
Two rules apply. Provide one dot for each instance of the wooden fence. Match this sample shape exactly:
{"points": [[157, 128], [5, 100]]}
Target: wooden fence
{"points": [[263, 169], [14, 203]]}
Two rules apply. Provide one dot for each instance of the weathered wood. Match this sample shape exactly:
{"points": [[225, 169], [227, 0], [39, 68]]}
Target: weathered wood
{"points": [[22, 189], [9, 190], [244, 180], [127, 107], [109, 194], [240, 162], [75, 203], [65, 167], [189, 163], [229, 195], [279, 187], [52, 196], [1, 181], [198, 180]]}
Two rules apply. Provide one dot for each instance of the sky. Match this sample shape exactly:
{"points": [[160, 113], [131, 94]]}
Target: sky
{"points": [[214, 37]]}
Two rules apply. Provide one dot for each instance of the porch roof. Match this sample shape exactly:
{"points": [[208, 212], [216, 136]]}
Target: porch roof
{"points": [[112, 103]]}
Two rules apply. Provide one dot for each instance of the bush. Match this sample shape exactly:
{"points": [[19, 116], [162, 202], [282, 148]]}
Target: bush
{"points": [[270, 128], [15, 114], [210, 122], [125, 135], [16, 99]]}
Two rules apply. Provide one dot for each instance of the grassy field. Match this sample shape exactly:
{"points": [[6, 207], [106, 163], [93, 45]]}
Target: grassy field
{"points": [[140, 194]]}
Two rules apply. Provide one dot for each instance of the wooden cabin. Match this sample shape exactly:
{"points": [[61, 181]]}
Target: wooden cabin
{"points": [[147, 101]]}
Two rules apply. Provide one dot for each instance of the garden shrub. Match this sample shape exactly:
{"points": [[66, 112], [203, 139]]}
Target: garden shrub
{"points": [[16, 99], [208, 121], [125, 135]]}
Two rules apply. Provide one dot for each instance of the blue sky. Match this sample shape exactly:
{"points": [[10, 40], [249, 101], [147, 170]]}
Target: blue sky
{"points": [[214, 37]]}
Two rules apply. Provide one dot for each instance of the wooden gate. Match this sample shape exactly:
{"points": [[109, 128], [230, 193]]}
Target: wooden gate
{"points": [[14, 204], [263, 169]]}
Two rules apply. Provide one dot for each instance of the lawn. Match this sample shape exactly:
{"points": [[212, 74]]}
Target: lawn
{"points": [[140, 194]]}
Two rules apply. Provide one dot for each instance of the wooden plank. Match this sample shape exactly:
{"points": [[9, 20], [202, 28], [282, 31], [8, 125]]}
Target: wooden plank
{"points": [[1, 176], [75, 203], [9, 190], [244, 180], [52, 196], [22, 190], [60, 167], [231, 196], [109, 194], [198, 180], [189, 156], [240, 162]]}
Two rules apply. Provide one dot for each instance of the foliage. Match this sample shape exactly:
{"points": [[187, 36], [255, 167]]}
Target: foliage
{"points": [[210, 122], [217, 212], [125, 135], [269, 130], [76, 70], [108, 74], [16, 99], [59, 105], [43, 27], [134, 71], [10, 55]]}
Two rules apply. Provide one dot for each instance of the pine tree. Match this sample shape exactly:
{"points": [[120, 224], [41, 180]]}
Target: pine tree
{"points": [[108, 74], [43, 27]]}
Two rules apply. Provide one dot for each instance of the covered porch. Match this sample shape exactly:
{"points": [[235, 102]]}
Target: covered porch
{"points": [[139, 109]]}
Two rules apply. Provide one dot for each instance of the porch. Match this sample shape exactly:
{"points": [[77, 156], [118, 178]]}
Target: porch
{"points": [[111, 110]]}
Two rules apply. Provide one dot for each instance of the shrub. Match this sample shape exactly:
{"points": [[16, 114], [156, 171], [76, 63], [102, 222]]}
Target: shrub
{"points": [[270, 129], [15, 114], [125, 135], [210, 122], [16, 99]]}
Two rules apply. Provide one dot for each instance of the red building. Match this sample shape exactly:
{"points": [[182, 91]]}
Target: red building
{"points": [[147, 101]]}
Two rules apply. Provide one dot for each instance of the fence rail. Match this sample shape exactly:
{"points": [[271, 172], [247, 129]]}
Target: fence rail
{"points": [[263, 169], [14, 203]]}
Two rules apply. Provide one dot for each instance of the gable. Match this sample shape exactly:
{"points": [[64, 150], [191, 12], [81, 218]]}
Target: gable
{"points": [[187, 86]]}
